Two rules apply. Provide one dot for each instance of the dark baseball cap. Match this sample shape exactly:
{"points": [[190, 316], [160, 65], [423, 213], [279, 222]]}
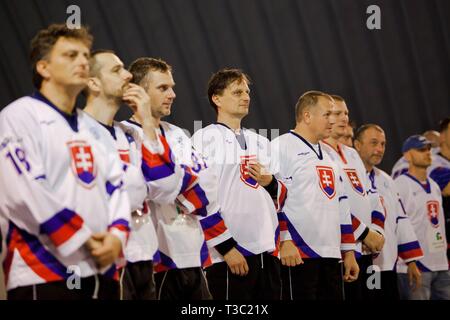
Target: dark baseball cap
{"points": [[416, 141]]}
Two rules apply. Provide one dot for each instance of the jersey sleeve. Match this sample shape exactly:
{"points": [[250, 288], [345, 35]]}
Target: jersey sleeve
{"points": [[29, 205], [407, 243], [165, 178], [346, 225], [274, 167], [378, 215], [119, 208], [377, 212], [282, 192], [202, 197]]}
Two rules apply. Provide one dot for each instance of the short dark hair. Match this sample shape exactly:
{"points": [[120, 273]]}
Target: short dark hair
{"points": [[220, 80], [140, 68], [309, 99], [45, 39], [94, 68], [360, 131], [443, 124]]}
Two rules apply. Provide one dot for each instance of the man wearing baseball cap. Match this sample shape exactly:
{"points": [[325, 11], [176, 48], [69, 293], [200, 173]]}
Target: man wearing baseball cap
{"points": [[422, 201]]}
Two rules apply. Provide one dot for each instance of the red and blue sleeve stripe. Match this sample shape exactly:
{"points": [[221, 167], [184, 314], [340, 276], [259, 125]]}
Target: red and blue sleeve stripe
{"points": [[197, 197], [282, 196], [156, 166], [62, 226], [120, 224], [277, 242], [347, 235], [188, 180], [34, 254], [378, 218], [355, 223], [410, 250], [213, 226], [165, 263], [205, 257], [282, 221]]}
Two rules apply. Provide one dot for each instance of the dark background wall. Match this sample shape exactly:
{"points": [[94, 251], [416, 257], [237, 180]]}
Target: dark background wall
{"points": [[398, 77]]}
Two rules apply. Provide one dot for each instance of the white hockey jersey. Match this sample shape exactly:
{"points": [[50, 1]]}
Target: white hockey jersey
{"points": [[181, 243], [59, 186], [439, 171], [423, 204], [317, 216], [400, 239], [365, 204], [248, 212], [143, 243]]}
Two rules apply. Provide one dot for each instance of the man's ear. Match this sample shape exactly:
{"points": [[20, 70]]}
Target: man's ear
{"points": [[306, 117], [216, 99], [94, 85], [407, 156], [357, 145], [42, 69]]}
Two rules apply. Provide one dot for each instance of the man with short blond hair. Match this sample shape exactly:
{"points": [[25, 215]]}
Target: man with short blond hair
{"points": [[315, 228]]}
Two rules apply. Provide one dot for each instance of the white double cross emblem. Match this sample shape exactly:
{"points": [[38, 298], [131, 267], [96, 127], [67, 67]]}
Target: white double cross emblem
{"points": [[84, 160], [354, 179], [326, 179]]}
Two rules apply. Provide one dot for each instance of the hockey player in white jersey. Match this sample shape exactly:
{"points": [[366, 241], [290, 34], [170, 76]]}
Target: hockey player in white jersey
{"points": [[108, 85], [246, 265], [400, 239], [317, 224], [401, 166], [422, 199], [439, 171], [67, 215], [365, 206], [183, 250]]}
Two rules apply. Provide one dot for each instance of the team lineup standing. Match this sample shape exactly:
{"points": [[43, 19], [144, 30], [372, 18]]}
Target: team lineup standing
{"points": [[137, 210]]}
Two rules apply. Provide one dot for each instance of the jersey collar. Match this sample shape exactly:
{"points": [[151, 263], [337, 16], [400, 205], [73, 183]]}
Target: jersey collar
{"points": [[239, 136], [72, 119], [134, 122], [338, 150], [371, 175], [426, 187], [111, 130], [319, 155]]}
